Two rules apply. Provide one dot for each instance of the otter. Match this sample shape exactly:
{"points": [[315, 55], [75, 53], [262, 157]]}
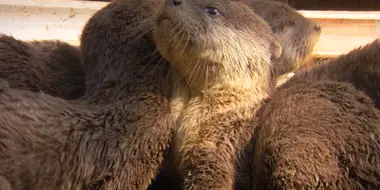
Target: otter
{"points": [[220, 52], [360, 67], [116, 40], [52, 67], [120, 143], [297, 34], [320, 131]]}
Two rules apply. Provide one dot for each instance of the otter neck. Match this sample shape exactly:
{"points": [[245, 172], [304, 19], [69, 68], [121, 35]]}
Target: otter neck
{"points": [[199, 78]]}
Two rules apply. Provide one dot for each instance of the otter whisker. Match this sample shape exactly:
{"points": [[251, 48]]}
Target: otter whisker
{"points": [[171, 40], [206, 76], [149, 63], [186, 43], [186, 71], [189, 82], [138, 37], [179, 42]]}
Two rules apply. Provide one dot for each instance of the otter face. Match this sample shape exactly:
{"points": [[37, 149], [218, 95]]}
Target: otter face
{"points": [[224, 33], [297, 34]]}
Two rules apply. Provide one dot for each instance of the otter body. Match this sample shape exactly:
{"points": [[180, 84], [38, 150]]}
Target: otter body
{"points": [[221, 60], [360, 67], [52, 67], [320, 129]]}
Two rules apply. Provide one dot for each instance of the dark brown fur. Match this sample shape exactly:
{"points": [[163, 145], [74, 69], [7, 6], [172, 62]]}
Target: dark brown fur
{"points": [[360, 67], [118, 141], [121, 63], [321, 132], [52, 67], [116, 42]]}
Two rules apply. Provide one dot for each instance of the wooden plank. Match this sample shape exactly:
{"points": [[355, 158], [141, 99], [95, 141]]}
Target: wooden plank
{"points": [[343, 31], [64, 20]]}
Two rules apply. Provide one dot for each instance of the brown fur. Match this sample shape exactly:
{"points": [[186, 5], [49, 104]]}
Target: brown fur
{"points": [[52, 67], [360, 67], [119, 141], [320, 132], [116, 42], [221, 67], [297, 34], [121, 63]]}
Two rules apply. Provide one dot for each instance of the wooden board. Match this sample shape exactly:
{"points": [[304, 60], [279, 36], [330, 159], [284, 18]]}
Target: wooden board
{"points": [[64, 20], [343, 31]]}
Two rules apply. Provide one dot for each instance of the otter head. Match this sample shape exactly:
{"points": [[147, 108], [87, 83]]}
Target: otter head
{"points": [[215, 41], [297, 34]]}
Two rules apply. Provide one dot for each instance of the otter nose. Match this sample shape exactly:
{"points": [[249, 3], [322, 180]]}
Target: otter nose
{"points": [[173, 2]]}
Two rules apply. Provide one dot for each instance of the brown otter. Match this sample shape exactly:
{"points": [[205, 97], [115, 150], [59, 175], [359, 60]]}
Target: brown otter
{"points": [[220, 52], [360, 67], [52, 67], [115, 41], [319, 131], [297, 34]]}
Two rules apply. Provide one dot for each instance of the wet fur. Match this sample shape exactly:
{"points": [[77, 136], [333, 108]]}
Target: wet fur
{"points": [[52, 67], [319, 131]]}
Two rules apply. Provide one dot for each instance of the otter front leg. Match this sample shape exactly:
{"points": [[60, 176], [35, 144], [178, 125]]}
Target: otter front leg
{"points": [[210, 139]]}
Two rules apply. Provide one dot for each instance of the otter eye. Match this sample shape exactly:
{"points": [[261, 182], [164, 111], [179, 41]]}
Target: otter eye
{"points": [[212, 11]]}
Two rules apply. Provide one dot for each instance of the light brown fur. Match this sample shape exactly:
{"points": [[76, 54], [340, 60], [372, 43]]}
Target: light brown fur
{"points": [[320, 132], [221, 67], [52, 67]]}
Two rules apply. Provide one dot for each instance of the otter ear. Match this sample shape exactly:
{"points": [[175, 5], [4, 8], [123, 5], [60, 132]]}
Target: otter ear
{"points": [[275, 49]]}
